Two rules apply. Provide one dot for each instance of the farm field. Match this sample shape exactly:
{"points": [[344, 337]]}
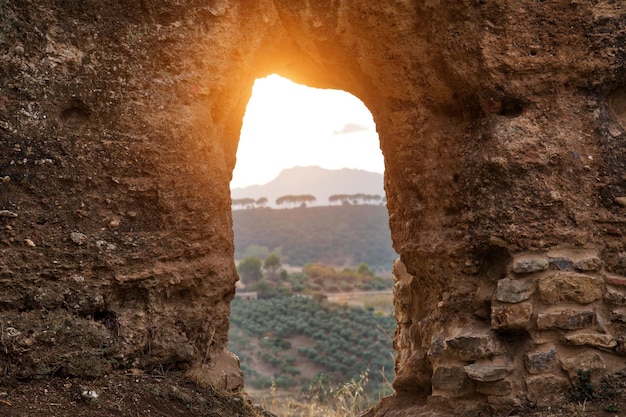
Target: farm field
{"points": [[295, 346]]}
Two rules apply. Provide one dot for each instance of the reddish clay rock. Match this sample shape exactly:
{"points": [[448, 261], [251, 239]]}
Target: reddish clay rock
{"points": [[501, 123]]}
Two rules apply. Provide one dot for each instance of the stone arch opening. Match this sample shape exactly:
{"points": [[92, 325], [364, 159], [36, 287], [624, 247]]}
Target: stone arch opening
{"points": [[143, 228], [419, 121], [337, 270]]}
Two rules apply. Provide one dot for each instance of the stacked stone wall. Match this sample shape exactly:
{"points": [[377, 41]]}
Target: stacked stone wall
{"points": [[554, 318]]}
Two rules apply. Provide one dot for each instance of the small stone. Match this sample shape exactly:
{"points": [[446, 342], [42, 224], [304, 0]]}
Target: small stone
{"points": [[7, 213], [566, 319], [514, 291], [598, 340], [29, 243], [620, 201], [114, 223], [529, 265], [6, 179], [556, 196], [561, 286], [132, 214], [89, 395], [589, 264], [511, 316], [78, 278], [78, 238], [541, 361], [12, 332]]}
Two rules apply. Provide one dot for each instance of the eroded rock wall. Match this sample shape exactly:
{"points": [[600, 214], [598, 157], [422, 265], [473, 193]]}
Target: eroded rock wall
{"points": [[501, 123]]}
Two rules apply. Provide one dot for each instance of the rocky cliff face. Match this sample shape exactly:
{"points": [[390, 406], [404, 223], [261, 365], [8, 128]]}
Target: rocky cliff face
{"points": [[502, 126]]}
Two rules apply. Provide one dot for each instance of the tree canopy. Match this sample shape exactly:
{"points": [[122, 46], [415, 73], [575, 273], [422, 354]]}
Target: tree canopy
{"points": [[247, 203], [355, 199], [295, 200], [272, 264], [249, 270]]}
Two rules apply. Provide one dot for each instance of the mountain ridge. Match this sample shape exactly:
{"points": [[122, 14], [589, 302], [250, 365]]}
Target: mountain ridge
{"points": [[316, 181]]}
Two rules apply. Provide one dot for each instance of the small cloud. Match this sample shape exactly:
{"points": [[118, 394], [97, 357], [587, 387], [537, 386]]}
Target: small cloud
{"points": [[350, 128]]}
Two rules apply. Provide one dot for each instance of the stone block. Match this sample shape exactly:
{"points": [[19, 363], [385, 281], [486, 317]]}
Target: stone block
{"points": [[530, 265], [588, 361], [514, 290], [562, 286], [502, 387], [488, 371], [473, 346], [598, 340], [450, 378], [547, 390], [511, 316], [563, 264], [618, 314], [588, 264], [615, 295], [542, 360], [566, 319]]}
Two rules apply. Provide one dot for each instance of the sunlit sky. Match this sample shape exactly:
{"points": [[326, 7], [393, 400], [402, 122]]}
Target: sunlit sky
{"points": [[288, 124]]}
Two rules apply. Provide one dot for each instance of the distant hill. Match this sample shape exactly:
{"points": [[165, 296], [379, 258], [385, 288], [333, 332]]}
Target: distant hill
{"points": [[316, 181], [334, 235]]}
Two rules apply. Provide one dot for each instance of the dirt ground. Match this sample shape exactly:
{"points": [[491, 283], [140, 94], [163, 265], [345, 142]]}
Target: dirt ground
{"points": [[131, 394], [134, 394]]}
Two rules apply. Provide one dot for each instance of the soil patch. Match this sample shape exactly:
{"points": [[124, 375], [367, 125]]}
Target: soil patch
{"points": [[121, 394]]}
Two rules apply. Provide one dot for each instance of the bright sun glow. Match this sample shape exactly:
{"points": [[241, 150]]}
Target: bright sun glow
{"points": [[288, 124]]}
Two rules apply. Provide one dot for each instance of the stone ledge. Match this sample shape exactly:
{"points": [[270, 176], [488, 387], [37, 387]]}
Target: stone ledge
{"points": [[597, 340], [488, 371]]}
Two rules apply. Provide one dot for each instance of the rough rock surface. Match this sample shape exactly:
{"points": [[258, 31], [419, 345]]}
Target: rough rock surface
{"points": [[502, 127]]}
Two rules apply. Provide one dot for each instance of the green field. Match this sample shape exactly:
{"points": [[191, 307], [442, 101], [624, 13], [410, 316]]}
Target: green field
{"points": [[297, 343]]}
